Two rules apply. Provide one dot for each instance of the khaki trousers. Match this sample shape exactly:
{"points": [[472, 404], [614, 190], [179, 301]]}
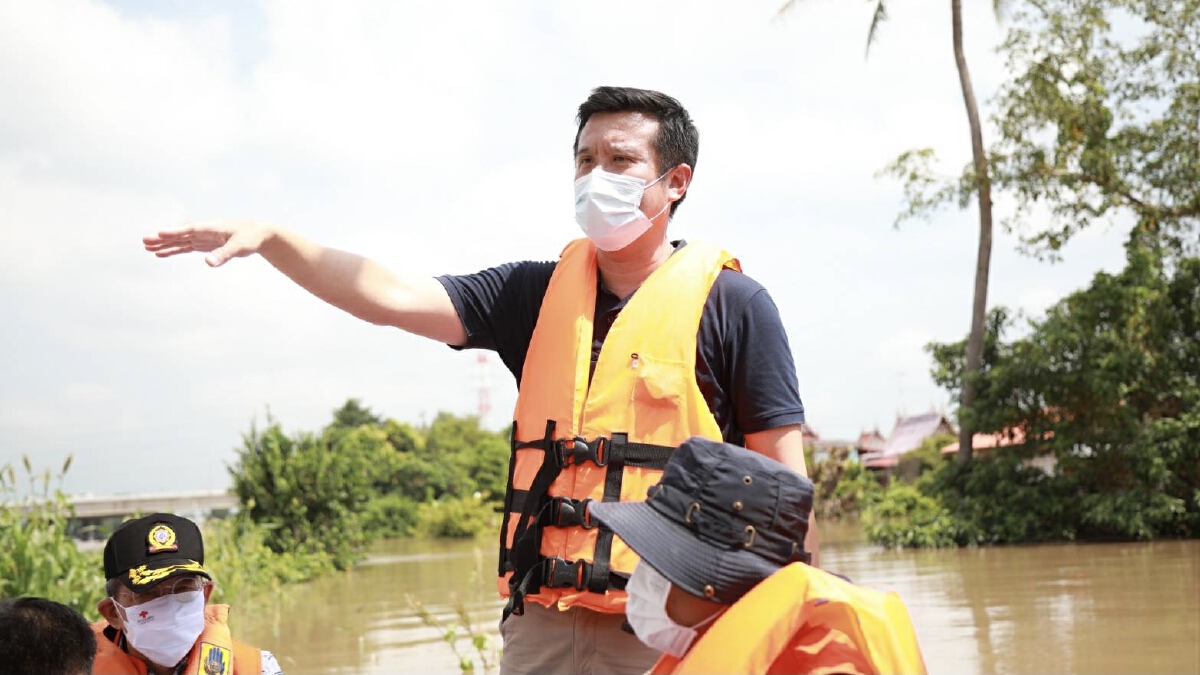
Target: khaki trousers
{"points": [[579, 641]]}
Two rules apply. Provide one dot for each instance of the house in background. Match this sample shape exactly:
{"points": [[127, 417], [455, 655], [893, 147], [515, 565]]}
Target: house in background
{"points": [[983, 444], [908, 435], [822, 448], [870, 444]]}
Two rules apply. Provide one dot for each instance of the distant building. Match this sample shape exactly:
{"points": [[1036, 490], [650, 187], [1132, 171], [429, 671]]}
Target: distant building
{"points": [[868, 442], [822, 448], [908, 435], [983, 444]]}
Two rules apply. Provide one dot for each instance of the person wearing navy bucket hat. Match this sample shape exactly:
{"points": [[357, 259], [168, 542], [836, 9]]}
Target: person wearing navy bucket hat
{"points": [[724, 585]]}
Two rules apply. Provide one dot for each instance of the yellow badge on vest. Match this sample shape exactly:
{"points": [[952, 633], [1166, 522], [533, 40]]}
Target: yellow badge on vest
{"points": [[215, 660]]}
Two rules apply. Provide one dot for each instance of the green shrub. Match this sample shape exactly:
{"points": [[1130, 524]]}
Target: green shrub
{"points": [[457, 517], [844, 488], [905, 518], [246, 568], [309, 492], [390, 516]]}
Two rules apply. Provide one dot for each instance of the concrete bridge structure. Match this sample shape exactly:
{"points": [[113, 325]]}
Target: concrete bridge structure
{"points": [[97, 515]]}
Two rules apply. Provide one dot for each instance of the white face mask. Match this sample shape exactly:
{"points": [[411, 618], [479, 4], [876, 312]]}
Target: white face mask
{"points": [[646, 611], [165, 629], [608, 208]]}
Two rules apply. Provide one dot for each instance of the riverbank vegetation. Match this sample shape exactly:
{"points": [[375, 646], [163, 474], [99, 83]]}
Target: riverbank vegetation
{"points": [[310, 504], [1095, 414], [363, 478]]}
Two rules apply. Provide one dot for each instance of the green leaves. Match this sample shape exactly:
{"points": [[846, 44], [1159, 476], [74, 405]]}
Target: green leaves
{"points": [[39, 557], [905, 518], [364, 477], [1108, 384], [1101, 115], [924, 190]]}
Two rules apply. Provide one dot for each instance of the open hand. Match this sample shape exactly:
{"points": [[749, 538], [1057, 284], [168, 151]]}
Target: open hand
{"points": [[220, 239]]}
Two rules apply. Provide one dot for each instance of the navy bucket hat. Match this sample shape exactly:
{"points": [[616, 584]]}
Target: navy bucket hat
{"points": [[722, 519]]}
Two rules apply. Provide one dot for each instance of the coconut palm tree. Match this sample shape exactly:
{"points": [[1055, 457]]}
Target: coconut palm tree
{"points": [[983, 186]]}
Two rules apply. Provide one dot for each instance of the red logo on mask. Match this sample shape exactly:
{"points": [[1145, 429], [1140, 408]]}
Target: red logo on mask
{"points": [[143, 614]]}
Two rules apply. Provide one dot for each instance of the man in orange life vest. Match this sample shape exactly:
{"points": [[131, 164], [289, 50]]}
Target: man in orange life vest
{"points": [[622, 349], [156, 617], [722, 585]]}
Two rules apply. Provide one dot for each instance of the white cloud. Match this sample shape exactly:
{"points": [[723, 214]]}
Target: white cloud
{"points": [[102, 96]]}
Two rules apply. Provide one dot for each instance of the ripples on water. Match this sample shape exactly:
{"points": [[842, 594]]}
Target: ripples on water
{"points": [[1086, 608]]}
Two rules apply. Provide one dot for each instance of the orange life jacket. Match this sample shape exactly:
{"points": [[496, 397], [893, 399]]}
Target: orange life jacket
{"points": [[215, 653], [576, 440], [804, 620]]}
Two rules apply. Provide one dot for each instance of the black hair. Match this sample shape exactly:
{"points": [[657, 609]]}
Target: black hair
{"points": [[38, 635], [678, 141]]}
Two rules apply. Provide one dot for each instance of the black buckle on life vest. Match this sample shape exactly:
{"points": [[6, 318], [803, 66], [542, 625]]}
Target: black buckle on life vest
{"points": [[562, 573], [576, 451], [567, 512]]}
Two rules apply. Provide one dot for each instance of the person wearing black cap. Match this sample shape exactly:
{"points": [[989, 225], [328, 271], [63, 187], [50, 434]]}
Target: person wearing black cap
{"points": [[723, 584], [156, 617]]}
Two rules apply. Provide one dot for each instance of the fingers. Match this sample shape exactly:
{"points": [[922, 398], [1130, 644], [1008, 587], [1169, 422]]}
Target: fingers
{"points": [[195, 237], [222, 240], [167, 236], [172, 251], [218, 257]]}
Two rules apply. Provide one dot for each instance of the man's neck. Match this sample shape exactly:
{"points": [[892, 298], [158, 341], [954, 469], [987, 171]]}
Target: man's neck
{"points": [[623, 271]]}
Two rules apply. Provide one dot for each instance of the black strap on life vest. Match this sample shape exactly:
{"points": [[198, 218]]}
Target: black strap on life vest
{"points": [[537, 510]]}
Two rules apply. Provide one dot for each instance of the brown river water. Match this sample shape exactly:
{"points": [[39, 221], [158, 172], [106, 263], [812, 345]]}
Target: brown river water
{"points": [[1072, 608]]}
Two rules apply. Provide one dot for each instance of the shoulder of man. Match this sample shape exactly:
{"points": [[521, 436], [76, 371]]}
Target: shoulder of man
{"points": [[736, 299]]}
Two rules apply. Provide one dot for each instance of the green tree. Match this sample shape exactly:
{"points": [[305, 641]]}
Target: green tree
{"points": [[472, 458], [354, 414], [1100, 118], [977, 183], [1109, 383], [310, 490]]}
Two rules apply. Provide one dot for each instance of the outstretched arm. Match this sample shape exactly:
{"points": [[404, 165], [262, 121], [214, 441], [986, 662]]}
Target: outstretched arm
{"points": [[786, 445], [345, 280]]}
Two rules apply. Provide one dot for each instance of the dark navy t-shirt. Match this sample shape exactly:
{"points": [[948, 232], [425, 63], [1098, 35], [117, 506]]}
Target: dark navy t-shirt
{"points": [[744, 365]]}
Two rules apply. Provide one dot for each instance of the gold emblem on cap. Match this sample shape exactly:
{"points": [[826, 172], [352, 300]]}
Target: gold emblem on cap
{"points": [[161, 538], [141, 575]]}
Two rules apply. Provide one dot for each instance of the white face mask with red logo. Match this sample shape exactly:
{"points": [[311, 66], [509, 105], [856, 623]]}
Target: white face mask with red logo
{"points": [[165, 629]]}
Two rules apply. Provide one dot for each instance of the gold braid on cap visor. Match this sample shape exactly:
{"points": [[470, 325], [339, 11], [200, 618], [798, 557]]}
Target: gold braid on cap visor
{"points": [[140, 575]]}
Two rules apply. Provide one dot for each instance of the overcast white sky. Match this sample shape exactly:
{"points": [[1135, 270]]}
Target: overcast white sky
{"points": [[436, 137]]}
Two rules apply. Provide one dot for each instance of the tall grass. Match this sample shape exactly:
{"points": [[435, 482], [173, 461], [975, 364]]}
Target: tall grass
{"points": [[37, 555]]}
